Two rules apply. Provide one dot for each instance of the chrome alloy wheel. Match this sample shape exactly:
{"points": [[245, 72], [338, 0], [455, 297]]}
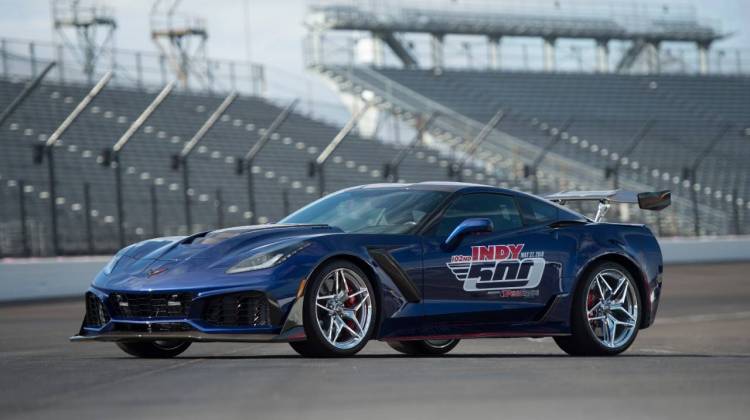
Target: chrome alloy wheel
{"points": [[343, 308], [612, 308]]}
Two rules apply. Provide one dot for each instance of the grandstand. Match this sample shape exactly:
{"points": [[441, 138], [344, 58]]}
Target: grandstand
{"points": [[628, 121], [651, 129], [634, 126], [219, 194]]}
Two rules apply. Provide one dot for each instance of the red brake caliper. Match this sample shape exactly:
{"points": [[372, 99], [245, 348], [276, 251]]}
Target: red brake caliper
{"points": [[590, 300], [349, 302]]}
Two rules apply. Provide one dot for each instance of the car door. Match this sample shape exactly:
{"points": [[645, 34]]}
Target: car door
{"points": [[494, 278]]}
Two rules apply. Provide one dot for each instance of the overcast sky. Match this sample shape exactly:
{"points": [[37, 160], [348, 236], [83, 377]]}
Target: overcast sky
{"points": [[276, 30]]}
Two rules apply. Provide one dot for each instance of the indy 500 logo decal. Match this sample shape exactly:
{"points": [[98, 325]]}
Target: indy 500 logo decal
{"points": [[498, 267]]}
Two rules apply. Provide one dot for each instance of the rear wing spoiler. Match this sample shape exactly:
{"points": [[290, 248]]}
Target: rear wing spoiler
{"points": [[658, 200]]}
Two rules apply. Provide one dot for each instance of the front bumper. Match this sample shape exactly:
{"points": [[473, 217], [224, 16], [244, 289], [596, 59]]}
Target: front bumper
{"points": [[149, 317]]}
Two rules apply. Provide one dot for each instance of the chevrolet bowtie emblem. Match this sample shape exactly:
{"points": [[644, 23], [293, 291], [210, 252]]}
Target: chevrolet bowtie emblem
{"points": [[156, 271]]}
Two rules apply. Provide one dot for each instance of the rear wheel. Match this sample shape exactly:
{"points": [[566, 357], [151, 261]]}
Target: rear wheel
{"points": [[339, 312], [606, 316], [154, 349], [424, 347]]}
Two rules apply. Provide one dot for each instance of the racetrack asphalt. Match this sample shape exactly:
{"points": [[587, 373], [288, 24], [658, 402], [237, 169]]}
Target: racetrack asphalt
{"points": [[694, 363]]}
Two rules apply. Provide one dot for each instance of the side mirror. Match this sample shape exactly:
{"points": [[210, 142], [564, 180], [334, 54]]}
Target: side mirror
{"points": [[467, 227]]}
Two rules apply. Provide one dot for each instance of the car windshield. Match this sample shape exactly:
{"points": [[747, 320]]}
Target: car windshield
{"points": [[370, 210]]}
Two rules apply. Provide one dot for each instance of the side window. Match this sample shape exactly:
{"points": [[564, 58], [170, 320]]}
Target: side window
{"points": [[536, 212], [501, 209]]}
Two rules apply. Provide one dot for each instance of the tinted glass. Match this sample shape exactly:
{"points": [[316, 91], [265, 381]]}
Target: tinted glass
{"points": [[501, 209], [370, 210], [536, 212]]}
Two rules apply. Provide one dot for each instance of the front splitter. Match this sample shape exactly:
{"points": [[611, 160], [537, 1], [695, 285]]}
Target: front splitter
{"points": [[194, 336]]}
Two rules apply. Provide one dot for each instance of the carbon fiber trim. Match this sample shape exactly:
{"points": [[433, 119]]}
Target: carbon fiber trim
{"points": [[396, 273]]}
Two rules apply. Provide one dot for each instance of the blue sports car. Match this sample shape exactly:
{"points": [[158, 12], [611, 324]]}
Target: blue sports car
{"points": [[419, 266]]}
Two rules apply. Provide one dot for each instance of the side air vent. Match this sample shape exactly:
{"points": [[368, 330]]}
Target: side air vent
{"points": [[96, 314], [237, 310]]}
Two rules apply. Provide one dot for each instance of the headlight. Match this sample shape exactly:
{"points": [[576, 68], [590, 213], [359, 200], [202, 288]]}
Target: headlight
{"points": [[267, 257]]}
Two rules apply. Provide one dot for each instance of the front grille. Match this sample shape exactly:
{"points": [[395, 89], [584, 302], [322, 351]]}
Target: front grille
{"points": [[150, 305], [237, 310], [96, 314], [156, 327]]}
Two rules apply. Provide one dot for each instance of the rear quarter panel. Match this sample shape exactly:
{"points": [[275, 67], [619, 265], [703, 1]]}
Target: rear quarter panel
{"points": [[633, 245]]}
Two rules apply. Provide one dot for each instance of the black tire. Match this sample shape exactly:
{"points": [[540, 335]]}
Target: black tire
{"points": [[303, 348], [583, 341], [423, 347], [154, 349], [316, 345]]}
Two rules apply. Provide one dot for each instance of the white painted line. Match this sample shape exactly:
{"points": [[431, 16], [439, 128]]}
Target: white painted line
{"points": [[657, 351]]}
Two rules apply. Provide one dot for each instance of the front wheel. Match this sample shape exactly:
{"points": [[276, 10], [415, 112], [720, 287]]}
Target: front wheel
{"points": [[424, 347], [339, 312], [154, 349], [606, 315]]}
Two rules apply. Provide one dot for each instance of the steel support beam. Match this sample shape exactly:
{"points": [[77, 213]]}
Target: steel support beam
{"points": [[8, 111], [437, 49], [456, 170], [317, 165], [219, 209], [285, 201], [154, 212], [495, 52], [378, 55], [602, 56], [691, 173], [390, 170], [654, 58], [398, 48], [87, 217], [317, 43], [182, 158], [531, 170], [549, 58], [614, 171], [703, 63], [117, 150], [247, 161], [49, 147], [26, 249]]}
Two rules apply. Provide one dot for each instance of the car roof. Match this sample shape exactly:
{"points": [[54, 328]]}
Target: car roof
{"points": [[446, 186], [465, 187]]}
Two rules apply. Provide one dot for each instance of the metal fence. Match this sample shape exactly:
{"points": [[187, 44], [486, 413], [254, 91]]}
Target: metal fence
{"points": [[22, 58]]}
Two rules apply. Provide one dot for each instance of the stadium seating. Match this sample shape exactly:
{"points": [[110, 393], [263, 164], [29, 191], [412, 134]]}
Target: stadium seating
{"points": [[607, 111], [603, 114], [282, 165]]}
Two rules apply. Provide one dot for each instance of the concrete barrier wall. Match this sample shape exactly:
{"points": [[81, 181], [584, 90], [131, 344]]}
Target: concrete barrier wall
{"points": [[40, 278], [705, 250]]}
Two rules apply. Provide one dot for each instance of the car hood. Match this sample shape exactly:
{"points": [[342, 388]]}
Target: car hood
{"points": [[212, 250]]}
